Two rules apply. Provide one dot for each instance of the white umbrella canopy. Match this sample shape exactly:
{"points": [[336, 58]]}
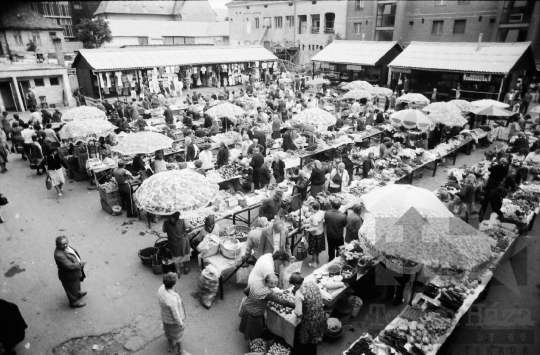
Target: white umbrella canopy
{"points": [[413, 98], [316, 117], [225, 109], [489, 102], [142, 143], [86, 130], [317, 81], [83, 113], [403, 196], [357, 94], [441, 107], [492, 111], [412, 119], [450, 119], [379, 91], [463, 105], [358, 85], [175, 191]]}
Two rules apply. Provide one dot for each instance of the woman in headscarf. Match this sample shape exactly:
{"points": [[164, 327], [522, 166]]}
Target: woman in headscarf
{"points": [[278, 169], [210, 226], [223, 155], [339, 178], [287, 141], [138, 165], [190, 149], [46, 117], [177, 230], [354, 222], [309, 308]]}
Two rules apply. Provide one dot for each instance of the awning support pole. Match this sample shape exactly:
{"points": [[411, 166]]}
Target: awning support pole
{"points": [[500, 89], [98, 87]]}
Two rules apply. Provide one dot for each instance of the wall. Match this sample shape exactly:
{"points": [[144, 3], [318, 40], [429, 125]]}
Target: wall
{"points": [[365, 16], [134, 41], [136, 17], [47, 45], [200, 11]]}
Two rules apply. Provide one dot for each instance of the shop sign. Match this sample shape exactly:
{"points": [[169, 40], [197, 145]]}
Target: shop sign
{"points": [[325, 65], [477, 77], [354, 67], [401, 70]]}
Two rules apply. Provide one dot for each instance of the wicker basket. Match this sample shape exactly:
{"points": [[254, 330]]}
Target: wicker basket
{"points": [[232, 229], [147, 254], [229, 253]]}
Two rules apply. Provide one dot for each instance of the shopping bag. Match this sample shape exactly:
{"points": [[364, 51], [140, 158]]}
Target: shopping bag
{"points": [[289, 270], [48, 182], [242, 275]]}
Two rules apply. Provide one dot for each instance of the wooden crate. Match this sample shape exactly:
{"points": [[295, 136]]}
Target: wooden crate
{"points": [[106, 207], [111, 197]]}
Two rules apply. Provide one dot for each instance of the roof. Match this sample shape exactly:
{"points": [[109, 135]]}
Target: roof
{"points": [[354, 52], [158, 56], [189, 10], [489, 57], [20, 17], [157, 29]]}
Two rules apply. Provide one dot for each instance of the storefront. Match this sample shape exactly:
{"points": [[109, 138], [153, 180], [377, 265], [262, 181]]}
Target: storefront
{"points": [[104, 73], [470, 71], [356, 60]]}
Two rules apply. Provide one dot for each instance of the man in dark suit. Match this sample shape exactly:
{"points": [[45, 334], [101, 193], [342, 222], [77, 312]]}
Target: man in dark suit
{"points": [[261, 138], [270, 206], [70, 271], [269, 237], [257, 161]]}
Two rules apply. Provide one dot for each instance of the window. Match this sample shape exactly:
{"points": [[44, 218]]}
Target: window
{"points": [[18, 38], [411, 23], [384, 35], [257, 23], [52, 34], [35, 38], [386, 14], [459, 27], [315, 23], [143, 41], [491, 21], [173, 40], [77, 5], [437, 28], [39, 82], [302, 20], [440, 2], [359, 5], [290, 21], [357, 28], [512, 35], [463, 2], [189, 40], [278, 22], [267, 22], [54, 81]]}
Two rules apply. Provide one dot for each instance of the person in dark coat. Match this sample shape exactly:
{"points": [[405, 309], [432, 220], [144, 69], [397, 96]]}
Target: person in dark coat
{"points": [[226, 125], [278, 167], [207, 121], [190, 149], [495, 200], [12, 326], [317, 178], [46, 117], [349, 166], [498, 172], [70, 271], [223, 155], [288, 143], [261, 138], [368, 165], [265, 176], [270, 206], [257, 161], [169, 117]]}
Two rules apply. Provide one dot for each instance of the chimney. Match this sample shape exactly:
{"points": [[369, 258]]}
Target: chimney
{"points": [[59, 52], [479, 41]]}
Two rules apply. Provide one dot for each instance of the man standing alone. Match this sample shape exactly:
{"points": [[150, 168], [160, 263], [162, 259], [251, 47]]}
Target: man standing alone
{"points": [[70, 271], [336, 222]]}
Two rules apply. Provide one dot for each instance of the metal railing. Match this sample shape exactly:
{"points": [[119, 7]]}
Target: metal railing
{"points": [[329, 30]]}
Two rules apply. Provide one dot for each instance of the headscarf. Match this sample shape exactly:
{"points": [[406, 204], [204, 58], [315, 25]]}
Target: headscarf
{"points": [[209, 223]]}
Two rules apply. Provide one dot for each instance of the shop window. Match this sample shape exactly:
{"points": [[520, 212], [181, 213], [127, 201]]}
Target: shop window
{"points": [[35, 38], [143, 41], [459, 27], [18, 38], [278, 22], [357, 28], [39, 82], [290, 21], [437, 28], [359, 5], [54, 81]]}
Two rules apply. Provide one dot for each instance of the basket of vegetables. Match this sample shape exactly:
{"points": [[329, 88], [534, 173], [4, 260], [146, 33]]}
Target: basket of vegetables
{"points": [[238, 232], [349, 274], [230, 248], [333, 270]]}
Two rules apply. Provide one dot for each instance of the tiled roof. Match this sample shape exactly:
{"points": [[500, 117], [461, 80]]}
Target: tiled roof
{"points": [[136, 7], [150, 57], [18, 16], [488, 57], [354, 52], [157, 29]]}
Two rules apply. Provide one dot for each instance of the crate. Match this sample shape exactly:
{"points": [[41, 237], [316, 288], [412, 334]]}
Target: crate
{"points": [[111, 197], [82, 161], [80, 175], [107, 207]]}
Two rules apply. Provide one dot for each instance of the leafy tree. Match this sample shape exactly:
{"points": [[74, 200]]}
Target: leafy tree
{"points": [[331, 38], [93, 33]]}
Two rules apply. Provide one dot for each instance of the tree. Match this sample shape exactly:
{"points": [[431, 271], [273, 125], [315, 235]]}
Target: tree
{"points": [[93, 33], [332, 38]]}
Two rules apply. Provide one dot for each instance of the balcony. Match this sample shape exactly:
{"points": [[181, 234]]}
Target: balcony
{"points": [[329, 27], [314, 30], [386, 20], [516, 16]]}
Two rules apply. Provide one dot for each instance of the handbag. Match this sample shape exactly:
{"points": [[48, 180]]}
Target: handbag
{"points": [[48, 182], [3, 201]]}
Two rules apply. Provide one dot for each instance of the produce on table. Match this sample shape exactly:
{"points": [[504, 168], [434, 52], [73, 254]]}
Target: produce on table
{"points": [[278, 349], [411, 313], [108, 186], [257, 346], [287, 295], [363, 346]]}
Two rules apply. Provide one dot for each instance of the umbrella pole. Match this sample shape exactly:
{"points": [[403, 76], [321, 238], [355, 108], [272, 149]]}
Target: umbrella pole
{"points": [[411, 293]]}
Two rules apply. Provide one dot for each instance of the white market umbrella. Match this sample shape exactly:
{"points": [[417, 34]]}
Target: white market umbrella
{"points": [[318, 81], [489, 102], [411, 119], [463, 105], [86, 130], [316, 117], [450, 119], [175, 191], [403, 196], [441, 107], [379, 91], [225, 109], [413, 98], [83, 113], [357, 94], [492, 111], [142, 143], [358, 85]]}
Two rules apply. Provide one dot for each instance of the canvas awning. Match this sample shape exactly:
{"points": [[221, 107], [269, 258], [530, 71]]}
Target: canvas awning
{"points": [[355, 52], [466, 57], [162, 56]]}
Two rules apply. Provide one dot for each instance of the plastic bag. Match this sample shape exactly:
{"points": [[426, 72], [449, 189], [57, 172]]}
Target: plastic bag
{"points": [[242, 274], [209, 246], [293, 267], [48, 182], [208, 285]]}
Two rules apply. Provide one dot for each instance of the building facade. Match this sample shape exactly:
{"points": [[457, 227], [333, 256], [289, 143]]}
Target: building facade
{"points": [[177, 10], [59, 12], [299, 28]]}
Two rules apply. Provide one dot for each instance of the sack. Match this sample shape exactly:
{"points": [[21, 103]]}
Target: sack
{"points": [[48, 182], [208, 285], [3, 201], [241, 309], [242, 275], [209, 246], [293, 267]]}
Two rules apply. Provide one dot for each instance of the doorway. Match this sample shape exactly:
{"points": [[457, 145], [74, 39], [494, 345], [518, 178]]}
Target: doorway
{"points": [[7, 96], [23, 89]]}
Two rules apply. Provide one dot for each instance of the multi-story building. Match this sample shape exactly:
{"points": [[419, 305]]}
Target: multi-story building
{"points": [[81, 10], [293, 30], [59, 12]]}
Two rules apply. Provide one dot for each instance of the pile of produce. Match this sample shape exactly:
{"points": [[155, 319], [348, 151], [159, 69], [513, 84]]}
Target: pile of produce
{"points": [[257, 346], [531, 186], [108, 186], [227, 172], [287, 295], [363, 346], [226, 137], [412, 313], [299, 153], [237, 234], [278, 349], [502, 237], [213, 176], [452, 299], [431, 290]]}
